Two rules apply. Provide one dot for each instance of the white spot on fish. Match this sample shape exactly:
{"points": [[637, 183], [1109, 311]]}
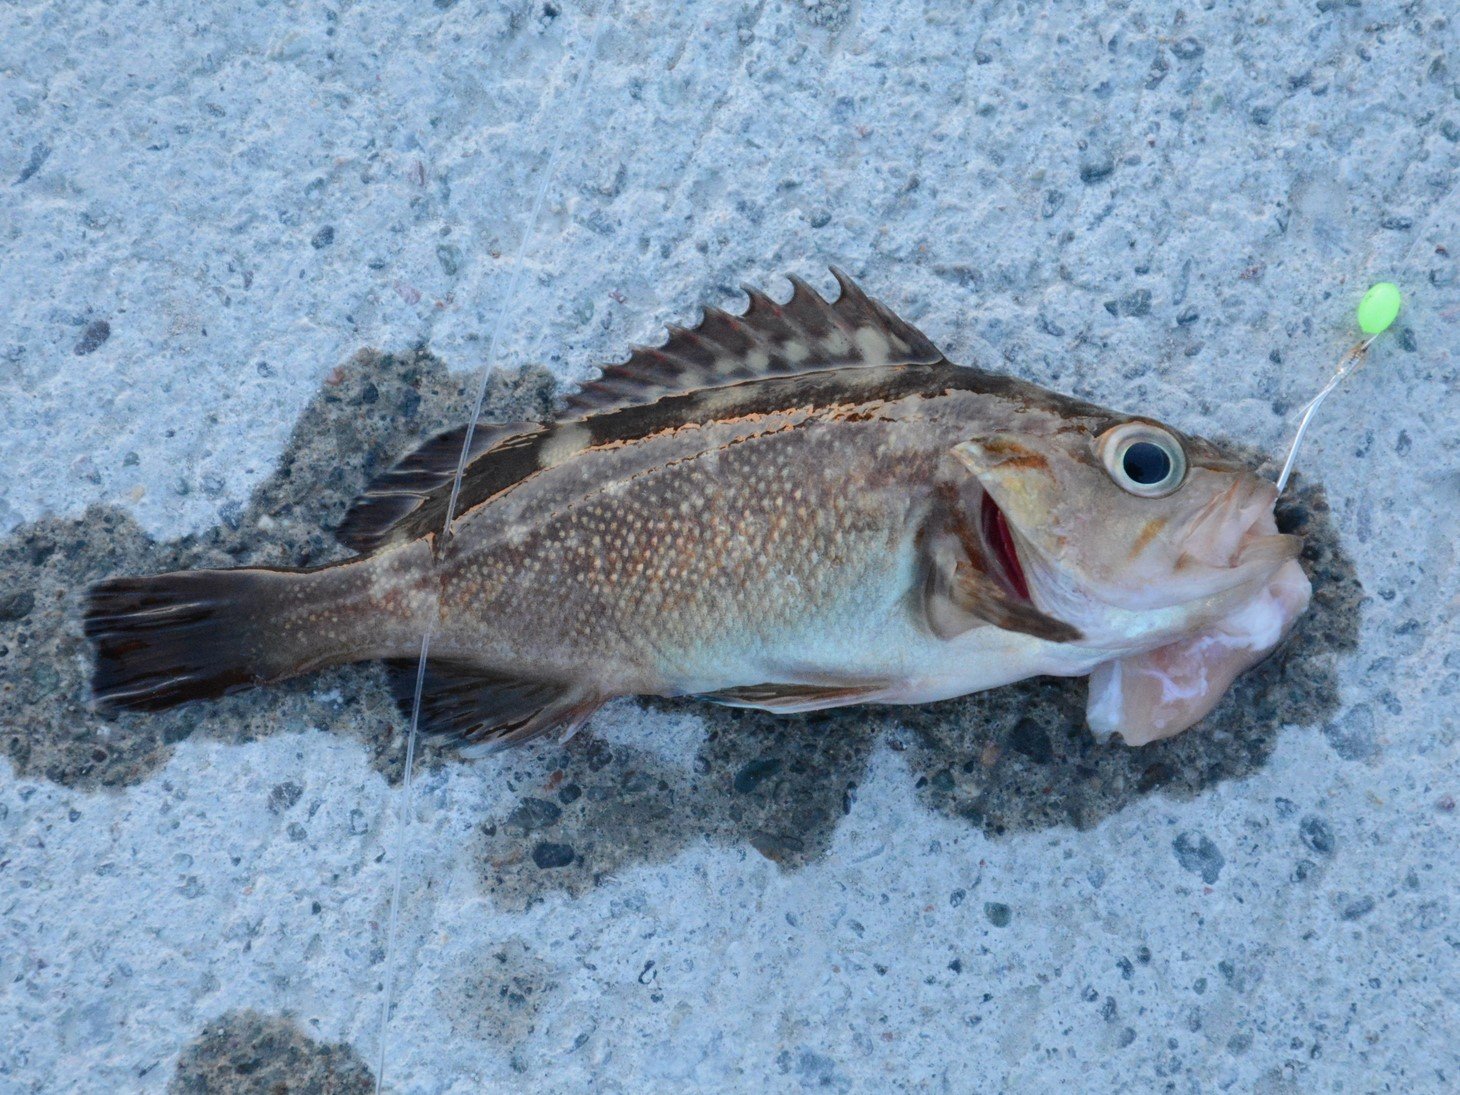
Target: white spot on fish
{"points": [[872, 346], [835, 345], [567, 441]]}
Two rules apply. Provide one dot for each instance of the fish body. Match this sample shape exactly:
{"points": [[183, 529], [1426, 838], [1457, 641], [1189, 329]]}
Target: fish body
{"points": [[802, 507]]}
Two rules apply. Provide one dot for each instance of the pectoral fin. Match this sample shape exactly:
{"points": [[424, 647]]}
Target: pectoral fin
{"points": [[1155, 695], [789, 699]]}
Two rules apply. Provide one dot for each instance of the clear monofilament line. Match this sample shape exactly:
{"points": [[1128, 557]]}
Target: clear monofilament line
{"points": [[407, 794], [407, 784], [1347, 364]]}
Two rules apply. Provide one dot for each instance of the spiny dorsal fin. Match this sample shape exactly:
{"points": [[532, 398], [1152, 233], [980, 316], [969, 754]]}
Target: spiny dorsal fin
{"points": [[806, 334], [653, 390]]}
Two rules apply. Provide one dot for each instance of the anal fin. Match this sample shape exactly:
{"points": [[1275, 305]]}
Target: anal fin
{"points": [[487, 710]]}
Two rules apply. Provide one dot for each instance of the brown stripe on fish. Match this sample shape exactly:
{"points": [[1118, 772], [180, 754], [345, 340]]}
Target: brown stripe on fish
{"points": [[1148, 533], [1012, 454]]}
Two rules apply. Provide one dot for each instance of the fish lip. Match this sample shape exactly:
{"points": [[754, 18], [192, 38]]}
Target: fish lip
{"points": [[1003, 549], [1224, 533]]}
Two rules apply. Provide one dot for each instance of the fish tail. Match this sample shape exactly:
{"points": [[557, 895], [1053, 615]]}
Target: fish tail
{"points": [[169, 638]]}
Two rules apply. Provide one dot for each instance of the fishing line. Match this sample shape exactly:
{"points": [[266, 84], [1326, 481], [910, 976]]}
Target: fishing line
{"points": [[1376, 312], [570, 108]]}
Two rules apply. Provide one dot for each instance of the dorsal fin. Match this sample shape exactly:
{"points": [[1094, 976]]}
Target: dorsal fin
{"points": [[652, 390], [396, 494], [806, 334]]}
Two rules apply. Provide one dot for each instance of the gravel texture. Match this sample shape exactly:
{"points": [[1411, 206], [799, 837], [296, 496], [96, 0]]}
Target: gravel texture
{"points": [[254, 254]]}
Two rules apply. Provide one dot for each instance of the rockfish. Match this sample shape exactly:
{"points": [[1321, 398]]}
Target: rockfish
{"points": [[801, 507]]}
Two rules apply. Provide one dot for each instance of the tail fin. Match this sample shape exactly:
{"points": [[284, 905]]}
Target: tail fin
{"points": [[190, 635]]}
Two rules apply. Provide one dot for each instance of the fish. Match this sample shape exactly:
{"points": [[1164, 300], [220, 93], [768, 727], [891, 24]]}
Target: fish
{"points": [[800, 507]]}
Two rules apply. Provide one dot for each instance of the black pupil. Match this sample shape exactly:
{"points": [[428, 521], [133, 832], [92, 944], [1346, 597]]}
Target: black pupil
{"points": [[1146, 464]]}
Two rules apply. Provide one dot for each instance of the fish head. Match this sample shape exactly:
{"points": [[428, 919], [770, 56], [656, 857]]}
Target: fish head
{"points": [[1127, 529], [1159, 548]]}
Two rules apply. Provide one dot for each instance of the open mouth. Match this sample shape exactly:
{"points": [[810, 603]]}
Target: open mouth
{"points": [[1002, 553]]}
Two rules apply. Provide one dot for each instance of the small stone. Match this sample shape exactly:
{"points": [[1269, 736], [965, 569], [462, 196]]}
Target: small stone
{"points": [[1096, 166], [1359, 907], [534, 813], [1316, 835], [1031, 739], [1137, 303], [323, 238], [777, 847], [1188, 49], [1197, 854], [550, 856], [284, 796], [1352, 735], [16, 606], [38, 156], [449, 256], [751, 776], [998, 913], [97, 332]]}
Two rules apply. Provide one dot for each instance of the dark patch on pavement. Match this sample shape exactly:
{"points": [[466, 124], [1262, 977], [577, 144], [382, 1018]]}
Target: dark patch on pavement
{"points": [[246, 1053]]}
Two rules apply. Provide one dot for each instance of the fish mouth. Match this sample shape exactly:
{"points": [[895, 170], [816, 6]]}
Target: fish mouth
{"points": [[1237, 529], [1002, 555]]}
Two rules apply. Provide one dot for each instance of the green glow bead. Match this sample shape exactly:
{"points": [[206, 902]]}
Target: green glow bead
{"points": [[1379, 308]]}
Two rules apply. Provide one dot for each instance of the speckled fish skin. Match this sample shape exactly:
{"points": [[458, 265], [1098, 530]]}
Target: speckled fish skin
{"points": [[804, 507]]}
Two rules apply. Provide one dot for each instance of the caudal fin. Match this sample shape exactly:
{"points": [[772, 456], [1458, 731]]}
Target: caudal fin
{"points": [[185, 636]]}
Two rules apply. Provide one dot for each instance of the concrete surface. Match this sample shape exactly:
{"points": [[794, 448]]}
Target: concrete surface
{"points": [[251, 252]]}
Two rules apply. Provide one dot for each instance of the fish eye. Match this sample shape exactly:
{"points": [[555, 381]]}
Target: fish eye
{"points": [[1144, 460]]}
